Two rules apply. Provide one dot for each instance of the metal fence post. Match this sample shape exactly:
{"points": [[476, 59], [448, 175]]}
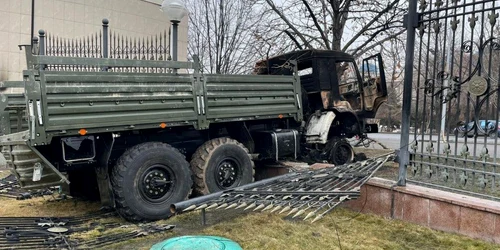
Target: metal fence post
{"points": [[35, 49], [175, 27], [411, 20], [42, 46], [105, 41]]}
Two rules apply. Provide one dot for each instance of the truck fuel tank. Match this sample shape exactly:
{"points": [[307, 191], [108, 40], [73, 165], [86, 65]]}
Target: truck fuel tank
{"points": [[277, 144]]}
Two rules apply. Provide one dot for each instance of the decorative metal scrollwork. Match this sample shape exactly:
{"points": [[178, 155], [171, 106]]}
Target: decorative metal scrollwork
{"points": [[447, 149], [414, 169], [439, 3], [430, 148], [423, 5], [472, 21], [445, 175], [454, 23], [467, 46], [482, 182], [414, 146], [485, 154], [463, 178], [428, 172], [493, 18], [465, 151], [478, 86]]}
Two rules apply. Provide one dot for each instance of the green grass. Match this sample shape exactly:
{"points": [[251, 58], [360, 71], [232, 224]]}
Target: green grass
{"points": [[355, 231]]}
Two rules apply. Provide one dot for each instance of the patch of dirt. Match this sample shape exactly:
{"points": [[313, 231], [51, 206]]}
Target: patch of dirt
{"points": [[46, 207], [4, 173]]}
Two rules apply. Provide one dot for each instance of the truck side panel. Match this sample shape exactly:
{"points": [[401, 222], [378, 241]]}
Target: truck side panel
{"points": [[92, 100], [251, 97]]}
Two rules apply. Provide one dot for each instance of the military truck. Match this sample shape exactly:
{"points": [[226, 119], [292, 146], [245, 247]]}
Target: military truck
{"points": [[146, 134]]}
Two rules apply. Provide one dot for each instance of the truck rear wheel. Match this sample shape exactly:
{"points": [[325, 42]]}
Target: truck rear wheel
{"points": [[220, 164], [147, 179]]}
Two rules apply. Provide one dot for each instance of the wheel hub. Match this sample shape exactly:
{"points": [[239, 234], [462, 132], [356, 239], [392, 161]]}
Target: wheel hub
{"points": [[156, 184], [227, 173]]}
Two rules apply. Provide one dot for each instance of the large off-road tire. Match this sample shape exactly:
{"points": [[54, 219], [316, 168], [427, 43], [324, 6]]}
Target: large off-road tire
{"points": [[341, 152], [147, 179], [220, 164]]}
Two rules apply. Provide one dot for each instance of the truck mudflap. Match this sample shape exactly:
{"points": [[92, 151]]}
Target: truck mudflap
{"points": [[31, 169]]}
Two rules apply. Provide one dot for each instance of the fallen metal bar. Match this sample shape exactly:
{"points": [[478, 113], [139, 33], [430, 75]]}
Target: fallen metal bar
{"points": [[181, 206], [295, 193]]}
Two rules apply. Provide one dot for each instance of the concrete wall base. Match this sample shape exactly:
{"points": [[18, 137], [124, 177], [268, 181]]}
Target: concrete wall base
{"points": [[440, 210]]}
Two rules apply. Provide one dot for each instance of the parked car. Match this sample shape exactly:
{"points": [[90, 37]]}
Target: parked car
{"points": [[489, 128]]}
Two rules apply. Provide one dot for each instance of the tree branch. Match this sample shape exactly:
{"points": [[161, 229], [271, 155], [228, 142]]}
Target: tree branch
{"points": [[355, 37]]}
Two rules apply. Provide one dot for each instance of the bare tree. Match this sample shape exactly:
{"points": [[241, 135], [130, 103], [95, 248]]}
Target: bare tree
{"points": [[390, 112], [323, 24], [223, 34]]}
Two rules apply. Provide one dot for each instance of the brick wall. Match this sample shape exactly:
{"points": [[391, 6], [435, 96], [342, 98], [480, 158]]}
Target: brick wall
{"points": [[432, 208]]}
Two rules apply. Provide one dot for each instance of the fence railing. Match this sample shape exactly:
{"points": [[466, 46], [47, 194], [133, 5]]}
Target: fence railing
{"points": [[105, 44], [455, 99]]}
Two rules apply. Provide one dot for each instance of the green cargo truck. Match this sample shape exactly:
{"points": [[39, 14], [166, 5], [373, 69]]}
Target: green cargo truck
{"points": [[145, 137]]}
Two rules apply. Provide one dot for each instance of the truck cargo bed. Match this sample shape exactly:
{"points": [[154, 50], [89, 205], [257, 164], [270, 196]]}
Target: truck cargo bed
{"points": [[64, 103]]}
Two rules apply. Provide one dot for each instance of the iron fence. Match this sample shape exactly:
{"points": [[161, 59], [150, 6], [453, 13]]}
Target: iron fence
{"points": [[453, 99], [105, 44]]}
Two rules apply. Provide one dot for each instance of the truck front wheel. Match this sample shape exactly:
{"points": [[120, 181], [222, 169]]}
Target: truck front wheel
{"points": [[147, 179], [341, 152], [220, 164]]}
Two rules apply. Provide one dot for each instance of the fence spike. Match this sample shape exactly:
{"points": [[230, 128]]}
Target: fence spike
{"points": [[213, 206], [292, 211], [285, 209], [250, 207], [268, 207], [232, 206], [244, 204], [189, 208], [276, 209], [299, 213], [259, 207], [223, 205], [202, 207], [317, 218], [126, 49], [310, 215]]}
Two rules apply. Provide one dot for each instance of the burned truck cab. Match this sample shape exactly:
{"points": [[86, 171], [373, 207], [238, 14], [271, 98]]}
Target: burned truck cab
{"points": [[339, 97], [333, 81]]}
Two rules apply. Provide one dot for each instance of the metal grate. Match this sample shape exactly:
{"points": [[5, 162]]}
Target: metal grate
{"points": [[310, 193]]}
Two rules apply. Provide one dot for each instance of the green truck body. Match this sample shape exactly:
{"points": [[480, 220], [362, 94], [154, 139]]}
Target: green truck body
{"points": [[65, 103], [136, 124]]}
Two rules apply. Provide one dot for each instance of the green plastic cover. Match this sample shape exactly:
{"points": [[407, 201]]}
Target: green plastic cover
{"points": [[197, 243]]}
